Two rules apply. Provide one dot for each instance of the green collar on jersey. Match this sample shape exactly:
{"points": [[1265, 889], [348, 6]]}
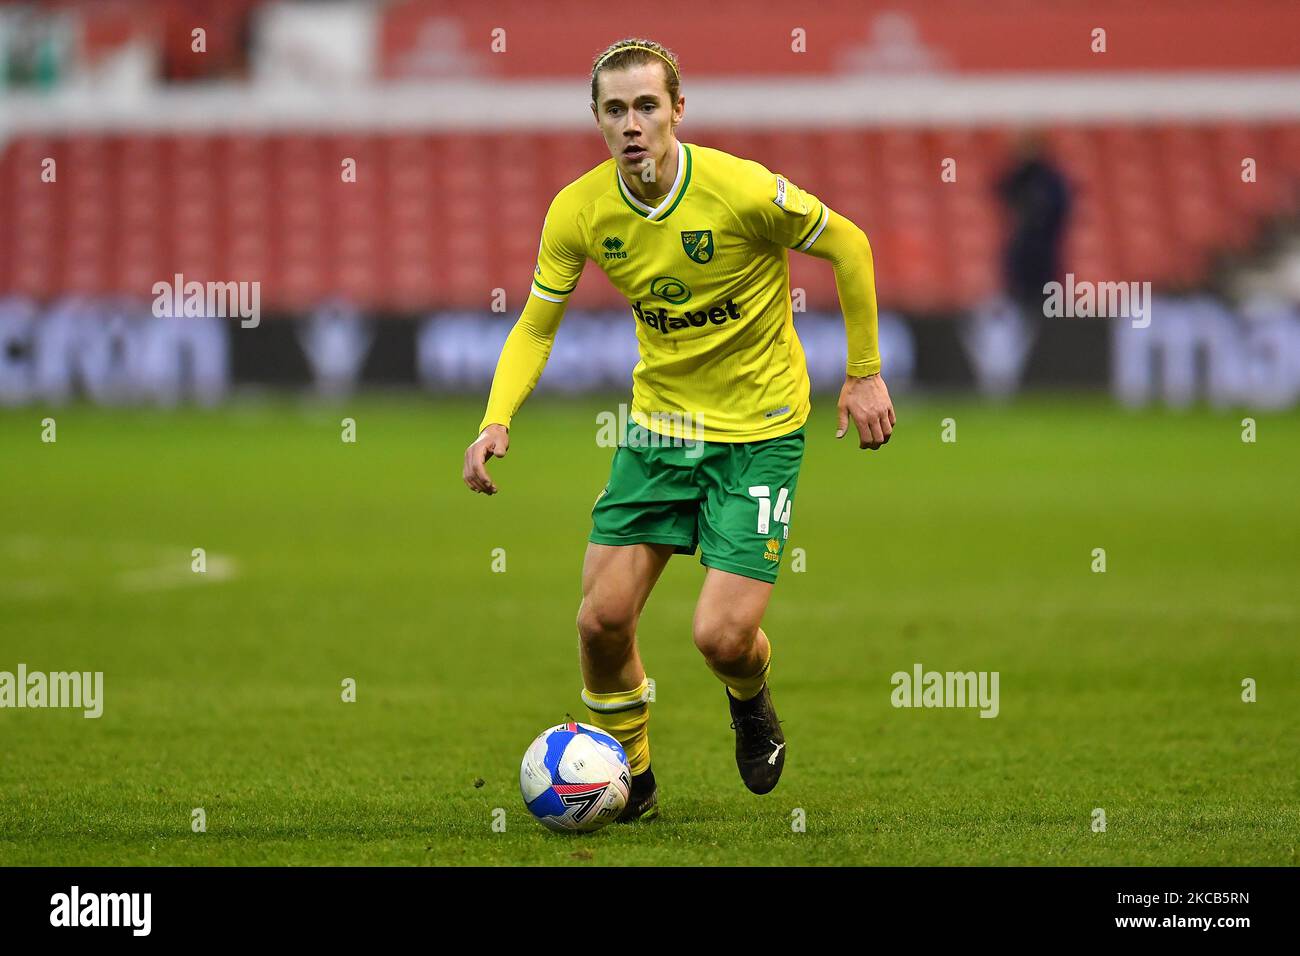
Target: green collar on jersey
{"points": [[669, 202]]}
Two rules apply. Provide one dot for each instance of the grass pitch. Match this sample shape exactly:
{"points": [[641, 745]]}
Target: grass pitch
{"points": [[1120, 691]]}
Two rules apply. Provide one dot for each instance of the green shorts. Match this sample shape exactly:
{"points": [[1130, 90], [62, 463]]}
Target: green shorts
{"points": [[732, 499]]}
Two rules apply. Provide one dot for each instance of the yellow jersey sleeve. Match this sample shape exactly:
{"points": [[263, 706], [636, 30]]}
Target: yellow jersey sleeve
{"points": [[561, 257], [523, 357], [847, 249], [562, 253], [783, 213]]}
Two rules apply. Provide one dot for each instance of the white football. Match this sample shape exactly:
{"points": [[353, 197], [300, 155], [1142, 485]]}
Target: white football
{"points": [[574, 778]]}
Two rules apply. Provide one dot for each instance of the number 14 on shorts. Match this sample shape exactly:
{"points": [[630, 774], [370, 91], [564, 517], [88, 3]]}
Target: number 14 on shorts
{"points": [[767, 513]]}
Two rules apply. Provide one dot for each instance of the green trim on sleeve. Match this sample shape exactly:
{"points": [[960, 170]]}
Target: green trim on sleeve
{"points": [[553, 291], [821, 207]]}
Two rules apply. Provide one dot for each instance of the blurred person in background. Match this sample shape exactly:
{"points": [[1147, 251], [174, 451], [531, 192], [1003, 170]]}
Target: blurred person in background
{"points": [[1037, 200]]}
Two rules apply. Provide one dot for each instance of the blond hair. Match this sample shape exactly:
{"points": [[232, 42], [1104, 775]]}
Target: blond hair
{"points": [[634, 51]]}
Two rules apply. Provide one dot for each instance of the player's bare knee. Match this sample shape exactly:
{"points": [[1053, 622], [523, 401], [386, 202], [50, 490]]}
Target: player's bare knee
{"points": [[606, 630], [724, 644]]}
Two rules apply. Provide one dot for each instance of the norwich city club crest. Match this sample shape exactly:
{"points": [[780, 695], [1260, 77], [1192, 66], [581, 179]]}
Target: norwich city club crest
{"points": [[698, 244]]}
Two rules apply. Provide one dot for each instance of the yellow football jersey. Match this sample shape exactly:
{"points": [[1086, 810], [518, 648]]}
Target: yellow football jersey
{"points": [[706, 273]]}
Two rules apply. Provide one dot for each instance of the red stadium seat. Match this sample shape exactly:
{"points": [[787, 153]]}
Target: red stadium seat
{"points": [[441, 219]]}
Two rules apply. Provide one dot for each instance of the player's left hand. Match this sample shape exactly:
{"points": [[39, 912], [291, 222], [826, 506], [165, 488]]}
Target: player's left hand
{"points": [[866, 401]]}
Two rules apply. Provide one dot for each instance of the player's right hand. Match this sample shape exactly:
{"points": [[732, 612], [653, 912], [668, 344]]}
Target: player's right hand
{"points": [[494, 440]]}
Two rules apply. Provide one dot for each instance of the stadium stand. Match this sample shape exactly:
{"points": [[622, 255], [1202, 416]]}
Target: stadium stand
{"points": [[1161, 201]]}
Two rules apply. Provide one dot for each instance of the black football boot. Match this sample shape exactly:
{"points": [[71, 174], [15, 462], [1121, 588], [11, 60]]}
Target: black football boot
{"points": [[760, 745], [642, 799]]}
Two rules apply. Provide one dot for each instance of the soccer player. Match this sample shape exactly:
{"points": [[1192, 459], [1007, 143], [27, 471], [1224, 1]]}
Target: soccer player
{"points": [[697, 241]]}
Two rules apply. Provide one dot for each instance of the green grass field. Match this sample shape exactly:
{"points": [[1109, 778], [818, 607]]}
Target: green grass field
{"points": [[371, 561]]}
